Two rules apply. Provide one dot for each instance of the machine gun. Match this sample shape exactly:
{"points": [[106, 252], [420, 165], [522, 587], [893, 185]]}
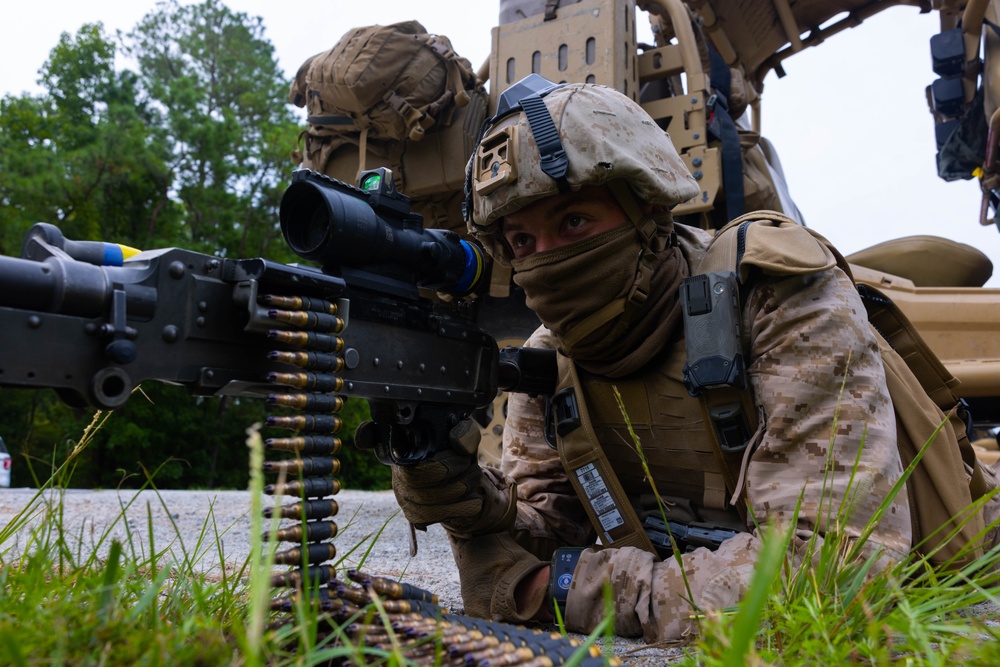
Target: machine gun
{"points": [[299, 336], [80, 318]]}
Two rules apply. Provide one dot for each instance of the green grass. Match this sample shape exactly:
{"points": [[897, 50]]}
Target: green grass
{"points": [[842, 611], [131, 601], [142, 603], [837, 599]]}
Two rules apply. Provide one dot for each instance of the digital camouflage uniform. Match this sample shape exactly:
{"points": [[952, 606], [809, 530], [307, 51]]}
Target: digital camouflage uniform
{"points": [[610, 303], [807, 334]]}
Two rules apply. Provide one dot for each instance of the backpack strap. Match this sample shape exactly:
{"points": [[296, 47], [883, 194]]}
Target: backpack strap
{"points": [[723, 127], [899, 332], [587, 466], [934, 378]]}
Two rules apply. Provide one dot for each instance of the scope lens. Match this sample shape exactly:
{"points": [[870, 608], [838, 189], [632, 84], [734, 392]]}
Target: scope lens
{"points": [[319, 223]]}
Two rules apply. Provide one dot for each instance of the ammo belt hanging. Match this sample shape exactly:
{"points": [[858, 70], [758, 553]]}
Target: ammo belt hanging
{"points": [[588, 468]]}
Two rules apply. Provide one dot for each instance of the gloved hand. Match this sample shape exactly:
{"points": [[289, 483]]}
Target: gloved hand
{"points": [[490, 567], [450, 487]]}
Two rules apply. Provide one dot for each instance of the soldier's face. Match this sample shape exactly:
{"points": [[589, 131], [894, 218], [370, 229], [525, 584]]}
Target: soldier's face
{"points": [[562, 219]]}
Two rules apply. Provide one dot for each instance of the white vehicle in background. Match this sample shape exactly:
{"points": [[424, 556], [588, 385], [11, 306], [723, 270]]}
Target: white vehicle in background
{"points": [[4, 465]]}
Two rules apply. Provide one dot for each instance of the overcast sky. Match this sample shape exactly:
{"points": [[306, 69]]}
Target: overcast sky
{"points": [[850, 120]]}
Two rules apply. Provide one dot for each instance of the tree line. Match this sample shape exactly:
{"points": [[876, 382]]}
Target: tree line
{"points": [[188, 147]]}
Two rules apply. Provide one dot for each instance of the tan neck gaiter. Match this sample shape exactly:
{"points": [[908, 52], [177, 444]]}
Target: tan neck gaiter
{"points": [[580, 291]]}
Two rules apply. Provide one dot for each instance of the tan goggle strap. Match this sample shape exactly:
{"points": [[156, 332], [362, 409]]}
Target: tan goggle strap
{"points": [[588, 468]]}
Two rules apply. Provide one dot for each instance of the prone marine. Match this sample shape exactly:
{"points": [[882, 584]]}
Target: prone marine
{"points": [[572, 185]]}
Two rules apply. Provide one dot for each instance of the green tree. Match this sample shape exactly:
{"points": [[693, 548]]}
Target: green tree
{"points": [[220, 97], [81, 155], [189, 150]]}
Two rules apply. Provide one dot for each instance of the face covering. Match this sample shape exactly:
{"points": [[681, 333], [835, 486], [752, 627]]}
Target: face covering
{"points": [[611, 303]]}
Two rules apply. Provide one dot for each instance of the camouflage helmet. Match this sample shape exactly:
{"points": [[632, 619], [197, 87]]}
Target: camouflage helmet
{"points": [[589, 135]]}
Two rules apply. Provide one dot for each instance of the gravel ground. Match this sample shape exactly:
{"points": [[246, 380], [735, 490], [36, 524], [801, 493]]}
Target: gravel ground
{"points": [[89, 514]]}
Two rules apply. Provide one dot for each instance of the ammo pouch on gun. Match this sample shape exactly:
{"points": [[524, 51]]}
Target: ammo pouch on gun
{"points": [[948, 478]]}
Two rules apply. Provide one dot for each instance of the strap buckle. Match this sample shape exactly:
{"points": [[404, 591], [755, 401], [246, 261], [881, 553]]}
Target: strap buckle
{"points": [[562, 416]]}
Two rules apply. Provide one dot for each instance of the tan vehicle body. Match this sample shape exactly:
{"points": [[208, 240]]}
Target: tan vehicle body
{"points": [[596, 41]]}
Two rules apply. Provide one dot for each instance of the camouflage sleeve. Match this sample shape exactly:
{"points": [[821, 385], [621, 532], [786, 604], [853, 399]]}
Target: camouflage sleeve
{"points": [[548, 514], [548, 510], [828, 437], [830, 429]]}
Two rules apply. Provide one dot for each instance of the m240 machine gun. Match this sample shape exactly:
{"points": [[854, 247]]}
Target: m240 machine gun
{"points": [[252, 327], [81, 318]]}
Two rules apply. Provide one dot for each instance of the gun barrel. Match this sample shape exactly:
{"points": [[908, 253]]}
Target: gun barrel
{"points": [[71, 288]]}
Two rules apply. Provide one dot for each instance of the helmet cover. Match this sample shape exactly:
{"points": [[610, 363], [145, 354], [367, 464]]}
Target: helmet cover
{"points": [[605, 136]]}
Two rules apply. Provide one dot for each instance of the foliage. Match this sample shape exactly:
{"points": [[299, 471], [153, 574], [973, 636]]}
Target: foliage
{"points": [[193, 442], [132, 601], [838, 598], [187, 149], [109, 600], [359, 469], [842, 611], [80, 155], [217, 90]]}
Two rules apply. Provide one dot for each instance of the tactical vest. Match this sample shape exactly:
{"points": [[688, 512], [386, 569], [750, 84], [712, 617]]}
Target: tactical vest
{"points": [[675, 442], [684, 457]]}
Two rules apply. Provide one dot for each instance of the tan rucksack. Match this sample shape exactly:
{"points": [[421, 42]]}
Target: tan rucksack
{"points": [[391, 82], [949, 478], [393, 96]]}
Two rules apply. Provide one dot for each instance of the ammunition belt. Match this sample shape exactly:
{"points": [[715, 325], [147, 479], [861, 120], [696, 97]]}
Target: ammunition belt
{"points": [[410, 618]]}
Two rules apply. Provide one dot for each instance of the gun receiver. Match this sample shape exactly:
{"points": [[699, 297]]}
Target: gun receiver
{"points": [[359, 327]]}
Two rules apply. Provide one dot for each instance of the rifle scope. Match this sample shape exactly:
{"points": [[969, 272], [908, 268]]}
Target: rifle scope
{"points": [[371, 227]]}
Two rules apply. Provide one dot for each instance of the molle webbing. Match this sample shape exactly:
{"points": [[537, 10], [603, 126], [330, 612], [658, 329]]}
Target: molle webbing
{"points": [[674, 456]]}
